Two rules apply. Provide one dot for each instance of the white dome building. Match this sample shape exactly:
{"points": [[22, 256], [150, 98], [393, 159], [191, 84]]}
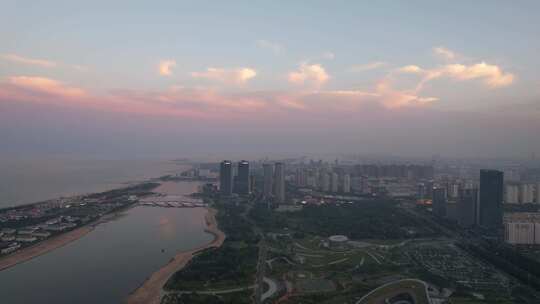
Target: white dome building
{"points": [[338, 242]]}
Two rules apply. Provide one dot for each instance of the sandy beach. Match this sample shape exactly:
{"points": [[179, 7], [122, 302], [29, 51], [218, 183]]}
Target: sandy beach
{"points": [[150, 291]]}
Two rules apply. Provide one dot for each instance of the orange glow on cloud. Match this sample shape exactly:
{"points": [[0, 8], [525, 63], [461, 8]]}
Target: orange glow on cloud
{"points": [[30, 61], [46, 85], [492, 75], [309, 74], [239, 76], [166, 66]]}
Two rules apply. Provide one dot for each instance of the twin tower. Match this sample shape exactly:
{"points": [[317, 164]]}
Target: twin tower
{"points": [[273, 180]]}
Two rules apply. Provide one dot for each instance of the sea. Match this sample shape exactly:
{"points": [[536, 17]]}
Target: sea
{"points": [[111, 261], [24, 181]]}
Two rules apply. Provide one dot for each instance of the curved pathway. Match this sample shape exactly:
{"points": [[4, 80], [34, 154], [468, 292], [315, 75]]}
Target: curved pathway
{"points": [[272, 289], [378, 289]]}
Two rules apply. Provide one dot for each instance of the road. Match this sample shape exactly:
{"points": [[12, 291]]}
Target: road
{"points": [[272, 289]]}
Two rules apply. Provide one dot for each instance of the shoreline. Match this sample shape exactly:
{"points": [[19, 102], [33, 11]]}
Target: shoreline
{"points": [[151, 290], [55, 242]]}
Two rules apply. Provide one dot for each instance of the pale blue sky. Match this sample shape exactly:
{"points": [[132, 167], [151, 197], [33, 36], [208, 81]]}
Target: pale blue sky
{"points": [[100, 47]]}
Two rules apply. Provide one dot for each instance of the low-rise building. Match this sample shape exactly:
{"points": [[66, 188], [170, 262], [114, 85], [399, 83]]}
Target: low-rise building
{"points": [[25, 238], [9, 247]]}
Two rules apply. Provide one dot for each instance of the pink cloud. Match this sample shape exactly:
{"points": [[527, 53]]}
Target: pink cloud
{"points": [[46, 86], [313, 74], [29, 61], [491, 75], [238, 76], [206, 103]]}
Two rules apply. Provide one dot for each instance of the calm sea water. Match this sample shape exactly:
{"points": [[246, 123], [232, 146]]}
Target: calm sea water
{"points": [[108, 263], [29, 181]]}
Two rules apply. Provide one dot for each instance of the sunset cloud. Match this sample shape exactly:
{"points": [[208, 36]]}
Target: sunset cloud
{"points": [[239, 76], [46, 85], [491, 75], [411, 69], [28, 61], [313, 74], [166, 67], [394, 99]]}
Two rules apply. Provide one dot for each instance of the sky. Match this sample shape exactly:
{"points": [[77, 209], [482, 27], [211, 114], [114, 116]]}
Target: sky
{"points": [[172, 78]]}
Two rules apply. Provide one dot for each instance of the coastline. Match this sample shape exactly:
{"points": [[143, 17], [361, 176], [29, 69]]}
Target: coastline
{"points": [[55, 242], [150, 291]]}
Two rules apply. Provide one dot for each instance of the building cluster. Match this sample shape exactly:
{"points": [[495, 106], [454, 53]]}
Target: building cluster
{"points": [[522, 193], [522, 228], [395, 180], [468, 204], [12, 239], [241, 182], [25, 225]]}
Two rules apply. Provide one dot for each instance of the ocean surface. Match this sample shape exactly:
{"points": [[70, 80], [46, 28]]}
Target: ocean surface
{"points": [[111, 261], [29, 181]]}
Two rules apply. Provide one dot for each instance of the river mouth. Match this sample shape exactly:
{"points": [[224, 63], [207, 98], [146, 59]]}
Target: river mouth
{"points": [[111, 261]]}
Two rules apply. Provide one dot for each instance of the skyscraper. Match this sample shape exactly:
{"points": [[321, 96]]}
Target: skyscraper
{"points": [[439, 201], [243, 184], [324, 183], [226, 178], [335, 182], [526, 192], [279, 180], [490, 212], [268, 177], [511, 194], [467, 207], [346, 183]]}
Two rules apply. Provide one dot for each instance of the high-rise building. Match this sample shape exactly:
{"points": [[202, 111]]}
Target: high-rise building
{"points": [[511, 194], [335, 182], [421, 192], [467, 206], [522, 233], [439, 201], [346, 183], [324, 184], [268, 178], [538, 193], [453, 191], [226, 178], [491, 196], [356, 184], [301, 177], [526, 193], [243, 185], [279, 179], [522, 228]]}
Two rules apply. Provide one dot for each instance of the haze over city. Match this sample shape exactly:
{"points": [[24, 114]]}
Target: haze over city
{"points": [[139, 79]]}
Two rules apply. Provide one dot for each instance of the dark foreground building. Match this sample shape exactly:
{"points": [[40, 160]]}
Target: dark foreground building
{"points": [[226, 178], [490, 213], [467, 206], [439, 201], [243, 185]]}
